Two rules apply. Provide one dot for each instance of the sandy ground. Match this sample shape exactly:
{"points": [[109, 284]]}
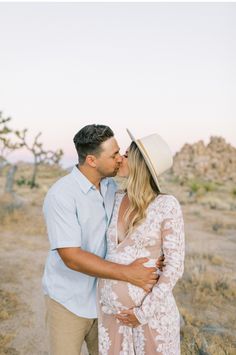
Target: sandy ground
{"points": [[24, 258], [22, 276]]}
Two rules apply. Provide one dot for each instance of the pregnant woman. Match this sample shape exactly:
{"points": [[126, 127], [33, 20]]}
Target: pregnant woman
{"points": [[145, 223]]}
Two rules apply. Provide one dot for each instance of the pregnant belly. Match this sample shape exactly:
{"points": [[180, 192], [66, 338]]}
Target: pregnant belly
{"points": [[115, 296]]}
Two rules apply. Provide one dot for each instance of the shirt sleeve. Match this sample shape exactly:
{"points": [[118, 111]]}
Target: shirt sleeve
{"points": [[173, 248], [62, 224]]}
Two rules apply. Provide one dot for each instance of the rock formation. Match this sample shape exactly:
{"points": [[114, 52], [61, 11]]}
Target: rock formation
{"points": [[215, 161]]}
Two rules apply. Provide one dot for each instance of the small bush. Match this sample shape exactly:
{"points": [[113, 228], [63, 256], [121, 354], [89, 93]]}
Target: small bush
{"points": [[194, 187], [216, 226], [209, 186], [21, 181]]}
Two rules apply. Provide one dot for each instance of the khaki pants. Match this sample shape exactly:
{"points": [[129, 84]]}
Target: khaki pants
{"points": [[67, 331]]}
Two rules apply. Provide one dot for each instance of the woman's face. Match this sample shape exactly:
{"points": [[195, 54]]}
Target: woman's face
{"points": [[124, 167]]}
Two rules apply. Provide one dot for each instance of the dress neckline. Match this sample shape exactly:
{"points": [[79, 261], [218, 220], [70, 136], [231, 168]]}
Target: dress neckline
{"points": [[121, 197], [119, 201]]}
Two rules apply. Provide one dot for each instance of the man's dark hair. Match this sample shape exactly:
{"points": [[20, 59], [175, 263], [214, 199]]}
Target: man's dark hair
{"points": [[89, 140]]}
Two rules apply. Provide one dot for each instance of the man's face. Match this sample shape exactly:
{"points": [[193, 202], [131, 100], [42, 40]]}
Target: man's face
{"points": [[109, 160]]}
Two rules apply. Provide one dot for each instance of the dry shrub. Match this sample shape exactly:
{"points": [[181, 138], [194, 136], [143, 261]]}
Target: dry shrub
{"points": [[8, 204], [214, 259], [209, 286], [21, 213], [206, 297], [8, 304], [198, 259], [195, 341], [222, 226], [4, 340], [192, 342], [216, 202], [222, 345], [21, 217], [234, 192], [27, 220], [217, 260]]}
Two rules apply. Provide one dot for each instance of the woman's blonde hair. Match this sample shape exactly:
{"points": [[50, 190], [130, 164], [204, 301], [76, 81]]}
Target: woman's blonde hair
{"points": [[141, 188]]}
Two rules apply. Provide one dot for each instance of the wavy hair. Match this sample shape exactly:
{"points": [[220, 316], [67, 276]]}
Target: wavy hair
{"points": [[141, 188]]}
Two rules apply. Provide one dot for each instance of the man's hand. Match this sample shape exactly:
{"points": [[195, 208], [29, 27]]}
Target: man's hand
{"points": [[128, 318], [142, 276]]}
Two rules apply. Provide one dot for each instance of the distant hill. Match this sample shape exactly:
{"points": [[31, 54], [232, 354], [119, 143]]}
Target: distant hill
{"points": [[215, 161]]}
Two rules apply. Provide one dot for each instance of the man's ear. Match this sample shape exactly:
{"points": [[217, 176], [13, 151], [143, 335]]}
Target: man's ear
{"points": [[91, 161]]}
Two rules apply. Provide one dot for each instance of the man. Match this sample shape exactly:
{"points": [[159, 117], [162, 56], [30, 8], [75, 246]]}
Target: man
{"points": [[77, 211]]}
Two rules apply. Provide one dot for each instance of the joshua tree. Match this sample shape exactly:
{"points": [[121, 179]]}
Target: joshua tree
{"points": [[40, 155], [6, 147], [10, 140]]}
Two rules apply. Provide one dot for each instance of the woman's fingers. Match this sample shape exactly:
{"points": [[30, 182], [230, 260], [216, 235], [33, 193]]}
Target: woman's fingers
{"points": [[160, 262], [127, 317]]}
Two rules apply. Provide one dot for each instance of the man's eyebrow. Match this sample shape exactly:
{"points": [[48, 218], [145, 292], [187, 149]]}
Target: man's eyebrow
{"points": [[116, 152]]}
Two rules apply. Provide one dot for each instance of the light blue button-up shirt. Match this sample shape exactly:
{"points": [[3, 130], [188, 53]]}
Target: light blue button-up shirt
{"points": [[77, 215]]}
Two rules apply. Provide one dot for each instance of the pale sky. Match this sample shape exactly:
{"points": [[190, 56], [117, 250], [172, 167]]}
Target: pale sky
{"points": [[168, 68]]}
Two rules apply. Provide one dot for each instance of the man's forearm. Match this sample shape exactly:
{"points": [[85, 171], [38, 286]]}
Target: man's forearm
{"points": [[91, 264]]}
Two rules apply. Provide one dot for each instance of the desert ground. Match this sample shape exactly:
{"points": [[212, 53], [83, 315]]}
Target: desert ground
{"points": [[206, 295]]}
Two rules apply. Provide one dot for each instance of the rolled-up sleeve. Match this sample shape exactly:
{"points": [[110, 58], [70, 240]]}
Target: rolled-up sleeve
{"points": [[63, 227]]}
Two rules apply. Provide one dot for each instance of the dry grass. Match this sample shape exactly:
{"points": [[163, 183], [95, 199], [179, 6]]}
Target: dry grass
{"points": [[8, 308], [210, 284], [8, 304], [28, 220], [210, 287], [195, 342], [4, 340], [207, 303], [22, 211]]}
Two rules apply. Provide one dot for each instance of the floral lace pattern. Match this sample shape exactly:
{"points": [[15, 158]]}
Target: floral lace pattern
{"points": [[162, 231], [104, 342]]}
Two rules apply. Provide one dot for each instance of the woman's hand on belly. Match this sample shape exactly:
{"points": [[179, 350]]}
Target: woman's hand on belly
{"points": [[128, 318]]}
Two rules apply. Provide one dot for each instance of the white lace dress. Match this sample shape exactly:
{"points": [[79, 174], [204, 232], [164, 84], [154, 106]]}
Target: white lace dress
{"points": [[159, 332]]}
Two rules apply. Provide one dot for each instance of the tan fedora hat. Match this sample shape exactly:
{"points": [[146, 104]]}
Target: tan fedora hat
{"points": [[156, 154]]}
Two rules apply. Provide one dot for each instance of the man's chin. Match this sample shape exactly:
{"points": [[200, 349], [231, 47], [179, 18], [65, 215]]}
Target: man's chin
{"points": [[106, 175], [114, 173]]}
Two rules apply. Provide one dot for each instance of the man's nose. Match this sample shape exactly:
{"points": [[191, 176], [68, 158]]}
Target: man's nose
{"points": [[119, 158]]}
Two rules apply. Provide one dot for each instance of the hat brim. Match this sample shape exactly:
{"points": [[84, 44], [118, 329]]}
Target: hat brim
{"points": [[146, 158]]}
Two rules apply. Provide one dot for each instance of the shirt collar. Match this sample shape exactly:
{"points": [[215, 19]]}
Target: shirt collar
{"points": [[84, 183]]}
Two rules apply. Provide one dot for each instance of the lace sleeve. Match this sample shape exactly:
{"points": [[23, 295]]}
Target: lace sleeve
{"points": [[172, 232]]}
